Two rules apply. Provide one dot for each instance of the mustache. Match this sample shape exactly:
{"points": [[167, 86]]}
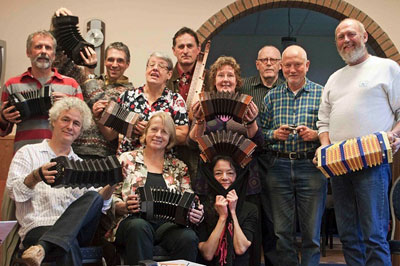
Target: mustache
{"points": [[42, 56]]}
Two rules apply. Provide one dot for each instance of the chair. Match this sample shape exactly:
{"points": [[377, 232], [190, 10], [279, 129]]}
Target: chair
{"points": [[395, 212]]}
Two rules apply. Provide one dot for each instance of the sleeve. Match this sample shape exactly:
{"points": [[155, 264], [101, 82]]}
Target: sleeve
{"points": [[20, 167], [394, 94], [324, 109], [182, 175], [258, 138], [249, 224], [92, 90], [266, 118], [6, 128]]}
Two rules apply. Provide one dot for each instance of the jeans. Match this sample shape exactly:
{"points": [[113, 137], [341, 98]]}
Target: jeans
{"points": [[296, 186], [137, 236], [73, 229], [361, 203]]}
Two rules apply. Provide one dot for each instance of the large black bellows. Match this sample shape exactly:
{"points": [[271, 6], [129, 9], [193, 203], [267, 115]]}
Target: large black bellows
{"points": [[69, 38]]}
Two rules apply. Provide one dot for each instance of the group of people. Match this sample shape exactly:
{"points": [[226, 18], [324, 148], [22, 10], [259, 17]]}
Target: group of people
{"points": [[238, 208]]}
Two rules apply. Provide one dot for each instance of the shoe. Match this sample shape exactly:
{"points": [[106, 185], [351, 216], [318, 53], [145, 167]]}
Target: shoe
{"points": [[34, 255]]}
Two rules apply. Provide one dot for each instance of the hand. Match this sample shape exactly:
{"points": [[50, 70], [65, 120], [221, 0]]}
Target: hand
{"points": [[62, 11], [315, 159], [306, 133], [394, 141], [89, 57], [10, 114], [49, 175], [197, 111], [232, 200], [98, 108], [139, 127], [195, 215], [282, 133], [221, 206], [251, 112], [132, 203], [56, 95]]}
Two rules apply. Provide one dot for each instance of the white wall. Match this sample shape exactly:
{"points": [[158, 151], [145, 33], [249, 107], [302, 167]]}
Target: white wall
{"points": [[145, 26]]}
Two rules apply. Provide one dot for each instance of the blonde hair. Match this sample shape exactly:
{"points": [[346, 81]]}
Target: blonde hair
{"points": [[169, 126]]}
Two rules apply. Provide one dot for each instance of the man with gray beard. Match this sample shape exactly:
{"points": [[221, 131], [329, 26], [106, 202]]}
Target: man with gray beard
{"points": [[360, 99], [40, 49]]}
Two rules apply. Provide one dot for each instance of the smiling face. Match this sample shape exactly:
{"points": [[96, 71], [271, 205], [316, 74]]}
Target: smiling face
{"points": [[224, 173], [68, 126], [116, 63], [157, 72], [225, 79], [295, 66], [350, 41], [41, 53], [186, 49], [157, 137]]}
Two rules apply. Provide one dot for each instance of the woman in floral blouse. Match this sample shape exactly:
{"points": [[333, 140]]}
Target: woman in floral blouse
{"points": [[153, 166], [152, 97]]}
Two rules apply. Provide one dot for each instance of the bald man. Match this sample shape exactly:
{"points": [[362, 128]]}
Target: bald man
{"points": [[293, 182], [360, 99], [268, 66]]}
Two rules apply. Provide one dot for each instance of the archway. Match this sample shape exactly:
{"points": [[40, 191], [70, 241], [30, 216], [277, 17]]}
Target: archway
{"points": [[378, 39]]}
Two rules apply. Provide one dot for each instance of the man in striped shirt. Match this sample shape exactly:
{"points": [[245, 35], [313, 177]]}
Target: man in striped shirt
{"points": [[268, 66], [40, 49], [293, 183]]}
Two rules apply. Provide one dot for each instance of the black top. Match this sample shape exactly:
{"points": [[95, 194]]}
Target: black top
{"points": [[155, 180]]}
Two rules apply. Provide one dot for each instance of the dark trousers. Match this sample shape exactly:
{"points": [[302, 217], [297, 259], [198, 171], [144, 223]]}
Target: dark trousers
{"points": [[73, 229], [267, 225], [137, 237]]}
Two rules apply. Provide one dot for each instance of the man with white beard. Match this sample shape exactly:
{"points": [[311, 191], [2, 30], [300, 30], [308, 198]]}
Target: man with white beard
{"points": [[40, 49], [360, 99]]}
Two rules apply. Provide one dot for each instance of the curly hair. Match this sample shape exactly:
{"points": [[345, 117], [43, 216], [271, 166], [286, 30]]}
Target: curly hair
{"points": [[218, 64], [68, 103]]}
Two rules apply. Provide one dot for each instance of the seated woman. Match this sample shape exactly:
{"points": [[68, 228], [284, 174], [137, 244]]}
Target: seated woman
{"points": [[152, 97], [55, 220], [152, 166], [230, 222]]}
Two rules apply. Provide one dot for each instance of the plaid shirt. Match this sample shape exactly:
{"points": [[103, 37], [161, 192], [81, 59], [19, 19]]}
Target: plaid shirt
{"points": [[283, 107]]}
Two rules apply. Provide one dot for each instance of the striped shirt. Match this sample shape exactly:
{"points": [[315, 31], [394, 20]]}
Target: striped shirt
{"points": [[253, 86], [283, 107], [42, 205], [35, 129]]}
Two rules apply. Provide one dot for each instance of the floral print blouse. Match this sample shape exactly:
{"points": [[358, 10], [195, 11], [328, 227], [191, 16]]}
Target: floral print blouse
{"points": [[135, 100], [175, 174]]}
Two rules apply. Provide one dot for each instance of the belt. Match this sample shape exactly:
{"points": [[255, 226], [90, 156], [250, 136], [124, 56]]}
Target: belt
{"points": [[293, 155]]}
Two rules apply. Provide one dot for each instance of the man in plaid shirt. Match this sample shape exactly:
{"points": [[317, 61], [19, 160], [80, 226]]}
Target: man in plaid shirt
{"points": [[293, 182]]}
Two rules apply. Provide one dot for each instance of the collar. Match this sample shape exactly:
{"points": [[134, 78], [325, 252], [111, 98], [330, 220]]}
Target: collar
{"points": [[56, 75], [140, 92], [123, 80], [45, 147], [258, 82], [177, 73], [306, 86]]}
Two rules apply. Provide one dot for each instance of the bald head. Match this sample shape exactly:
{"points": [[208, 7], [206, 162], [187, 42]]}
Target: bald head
{"points": [[270, 50], [295, 66], [295, 50], [352, 23]]}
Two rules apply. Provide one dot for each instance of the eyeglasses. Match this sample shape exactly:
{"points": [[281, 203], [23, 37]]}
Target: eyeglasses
{"points": [[154, 64], [272, 61]]}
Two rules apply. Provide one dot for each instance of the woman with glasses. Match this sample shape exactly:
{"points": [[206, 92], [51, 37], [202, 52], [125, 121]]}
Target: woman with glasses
{"points": [[154, 96]]}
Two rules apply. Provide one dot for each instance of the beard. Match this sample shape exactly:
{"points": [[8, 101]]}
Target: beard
{"points": [[42, 64], [352, 57]]}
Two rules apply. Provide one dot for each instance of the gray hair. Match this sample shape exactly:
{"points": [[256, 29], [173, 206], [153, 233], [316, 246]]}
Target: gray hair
{"points": [[43, 33], [121, 47], [68, 103], [164, 57]]}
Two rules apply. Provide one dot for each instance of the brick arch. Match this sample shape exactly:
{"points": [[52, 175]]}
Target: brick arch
{"points": [[377, 38]]}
